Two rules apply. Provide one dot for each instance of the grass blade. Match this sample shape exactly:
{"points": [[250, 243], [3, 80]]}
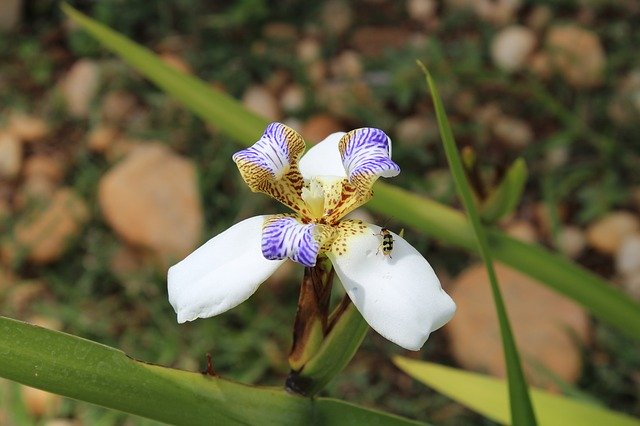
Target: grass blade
{"points": [[521, 408]]}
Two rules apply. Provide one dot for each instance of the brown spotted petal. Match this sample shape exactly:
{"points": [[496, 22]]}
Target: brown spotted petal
{"points": [[270, 165]]}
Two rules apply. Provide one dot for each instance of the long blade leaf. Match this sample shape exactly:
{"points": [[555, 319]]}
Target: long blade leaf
{"points": [[88, 371], [488, 396], [521, 409], [433, 218]]}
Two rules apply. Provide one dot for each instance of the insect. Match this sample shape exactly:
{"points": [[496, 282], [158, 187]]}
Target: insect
{"points": [[387, 242]]}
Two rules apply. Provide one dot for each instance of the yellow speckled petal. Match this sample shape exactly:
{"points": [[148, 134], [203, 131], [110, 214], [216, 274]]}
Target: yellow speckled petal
{"points": [[270, 166], [343, 232]]}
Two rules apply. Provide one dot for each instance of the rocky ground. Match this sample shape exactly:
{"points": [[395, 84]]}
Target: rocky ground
{"points": [[105, 181]]}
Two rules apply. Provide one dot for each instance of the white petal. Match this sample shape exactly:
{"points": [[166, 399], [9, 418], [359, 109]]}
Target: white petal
{"points": [[323, 159], [399, 295], [220, 274]]}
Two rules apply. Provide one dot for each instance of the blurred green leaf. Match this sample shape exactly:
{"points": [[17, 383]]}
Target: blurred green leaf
{"points": [[521, 409], [88, 371], [505, 197], [433, 218], [488, 396]]}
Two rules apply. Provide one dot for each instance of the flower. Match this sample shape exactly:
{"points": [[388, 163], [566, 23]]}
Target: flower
{"points": [[396, 292]]}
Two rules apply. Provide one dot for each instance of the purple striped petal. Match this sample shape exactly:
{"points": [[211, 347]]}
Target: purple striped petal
{"points": [[284, 236], [366, 155]]}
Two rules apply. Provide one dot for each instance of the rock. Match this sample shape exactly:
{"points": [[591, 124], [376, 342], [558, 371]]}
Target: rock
{"points": [[511, 47], [514, 132], [10, 14], [262, 102], [577, 54], [280, 31], [373, 41], [522, 230], [571, 241], [23, 293], [34, 192], [309, 50], [316, 72], [498, 12], [539, 17], [336, 16], [625, 107], [421, 10], [44, 234], [416, 131], [548, 327], [101, 138], [293, 98], [28, 128], [47, 167], [38, 402], [628, 255], [176, 62], [540, 64], [631, 286], [606, 234], [117, 106], [80, 87], [319, 126], [151, 200], [10, 156], [347, 65], [277, 81], [344, 98]]}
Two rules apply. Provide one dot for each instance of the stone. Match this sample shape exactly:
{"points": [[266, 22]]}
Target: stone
{"points": [[628, 255], [373, 41], [547, 327], [176, 62], [540, 64], [262, 102], [347, 65], [577, 54], [43, 234], [117, 106], [416, 131], [101, 138], [43, 166], [571, 241], [309, 50], [80, 87], [38, 402], [421, 10], [336, 16], [606, 234], [10, 156], [522, 230], [539, 17], [624, 108], [498, 12], [10, 14], [512, 46], [513, 131], [343, 98], [27, 128], [151, 200], [293, 98], [319, 126]]}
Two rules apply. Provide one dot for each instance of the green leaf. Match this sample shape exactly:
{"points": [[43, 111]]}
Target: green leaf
{"points": [[88, 371], [505, 198], [430, 217], [488, 396], [521, 409]]}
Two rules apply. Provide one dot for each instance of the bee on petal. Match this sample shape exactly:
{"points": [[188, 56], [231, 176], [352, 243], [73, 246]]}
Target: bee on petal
{"points": [[387, 242]]}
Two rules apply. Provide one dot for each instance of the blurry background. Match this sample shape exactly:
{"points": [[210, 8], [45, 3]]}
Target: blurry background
{"points": [[105, 181]]}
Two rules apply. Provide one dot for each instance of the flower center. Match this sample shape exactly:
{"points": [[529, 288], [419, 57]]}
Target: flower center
{"points": [[313, 196]]}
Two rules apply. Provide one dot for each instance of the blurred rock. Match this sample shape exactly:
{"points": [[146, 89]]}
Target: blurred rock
{"points": [[625, 107], [540, 64], [117, 106], [176, 62], [319, 126], [316, 72], [631, 286], [151, 200], [336, 16], [421, 10], [514, 132], [606, 234], [373, 41], [347, 65], [101, 138], [577, 54], [277, 81], [487, 114], [23, 293], [262, 102], [309, 50], [498, 12], [80, 87], [522, 230], [34, 192], [49, 167], [545, 325], [511, 47], [10, 14], [294, 123], [10, 156], [44, 234], [344, 98], [38, 402], [571, 241], [628, 255], [27, 128], [280, 31], [544, 219], [539, 17], [415, 131], [293, 99]]}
